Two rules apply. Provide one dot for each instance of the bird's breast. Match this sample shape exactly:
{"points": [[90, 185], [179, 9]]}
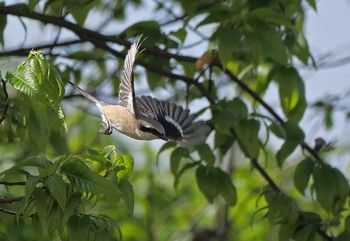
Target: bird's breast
{"points": [[124, 122]]}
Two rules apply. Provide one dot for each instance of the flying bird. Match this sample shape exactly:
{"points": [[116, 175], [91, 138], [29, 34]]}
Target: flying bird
{"points": [[145, 117]]}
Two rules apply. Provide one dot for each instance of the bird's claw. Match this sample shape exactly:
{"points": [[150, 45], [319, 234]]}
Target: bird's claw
{"points": [[106, 128]]}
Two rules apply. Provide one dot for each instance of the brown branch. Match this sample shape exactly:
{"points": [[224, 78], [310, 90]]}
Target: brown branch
{"points": [[99, 40]]}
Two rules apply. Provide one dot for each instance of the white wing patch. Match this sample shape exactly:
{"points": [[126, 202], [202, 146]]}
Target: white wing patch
{"points": [[126, 87]]}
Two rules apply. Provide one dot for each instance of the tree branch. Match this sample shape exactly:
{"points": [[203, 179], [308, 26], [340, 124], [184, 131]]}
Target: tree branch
{"points": [[10, 200], [12, 183], [7, 105], [99, 40]]}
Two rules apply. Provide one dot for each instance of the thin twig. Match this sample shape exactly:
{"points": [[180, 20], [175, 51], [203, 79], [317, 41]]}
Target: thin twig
{"points": [[8, 211], [12, 183], [10, 200]]}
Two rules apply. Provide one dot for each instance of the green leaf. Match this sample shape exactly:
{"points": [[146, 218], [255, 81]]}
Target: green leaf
{"points": [[175, 159], [31, 184], [72, 204], [179, 174], [206, 182], [83, 178], [206, 154], [302, 174], [226, 188], [331, 188], [166, 146], [127, 192], [228, 41], [125, 166], [79, 9], [293, 136], [43, 204], [150, 29], [54, 221], [312, 3], [272, 15], [272, 45], [291, 92], [58, 189], [247, 136], [27, 86], [78, 227]]}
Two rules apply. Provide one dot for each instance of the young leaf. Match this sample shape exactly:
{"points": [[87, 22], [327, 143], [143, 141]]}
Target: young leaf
{"points": [[125, 166]]}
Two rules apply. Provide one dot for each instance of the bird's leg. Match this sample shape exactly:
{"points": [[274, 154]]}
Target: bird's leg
{"points": [[106, 127]]}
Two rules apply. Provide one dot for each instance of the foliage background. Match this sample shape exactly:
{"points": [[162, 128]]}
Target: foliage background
{"points": [[162, 212]]}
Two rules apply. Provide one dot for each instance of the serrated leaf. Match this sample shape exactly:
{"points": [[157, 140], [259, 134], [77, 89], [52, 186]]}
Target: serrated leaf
{"points": [[78, 227], [87, 180], [206, 182], [58, 189], [27, 86], [206, 154], [127, 192], [302, 174], [175, 159]]}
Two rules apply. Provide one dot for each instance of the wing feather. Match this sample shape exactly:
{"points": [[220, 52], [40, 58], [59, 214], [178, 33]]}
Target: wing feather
{"points": [[126, 87], [176, 123]]}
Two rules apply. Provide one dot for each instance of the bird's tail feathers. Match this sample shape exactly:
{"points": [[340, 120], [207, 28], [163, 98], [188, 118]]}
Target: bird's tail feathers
{"points": [[87, 95]]}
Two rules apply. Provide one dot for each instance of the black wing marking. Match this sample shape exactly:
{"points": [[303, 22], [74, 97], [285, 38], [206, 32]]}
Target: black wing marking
{"points": [[176, 123], [126, 87]]}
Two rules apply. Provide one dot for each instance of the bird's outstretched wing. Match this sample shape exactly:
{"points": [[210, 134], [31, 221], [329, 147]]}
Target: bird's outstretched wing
{"points": [[170, 122], [126, 87]]}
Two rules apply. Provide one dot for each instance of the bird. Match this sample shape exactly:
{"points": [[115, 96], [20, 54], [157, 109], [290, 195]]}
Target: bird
{"points": [[145, 117]]}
